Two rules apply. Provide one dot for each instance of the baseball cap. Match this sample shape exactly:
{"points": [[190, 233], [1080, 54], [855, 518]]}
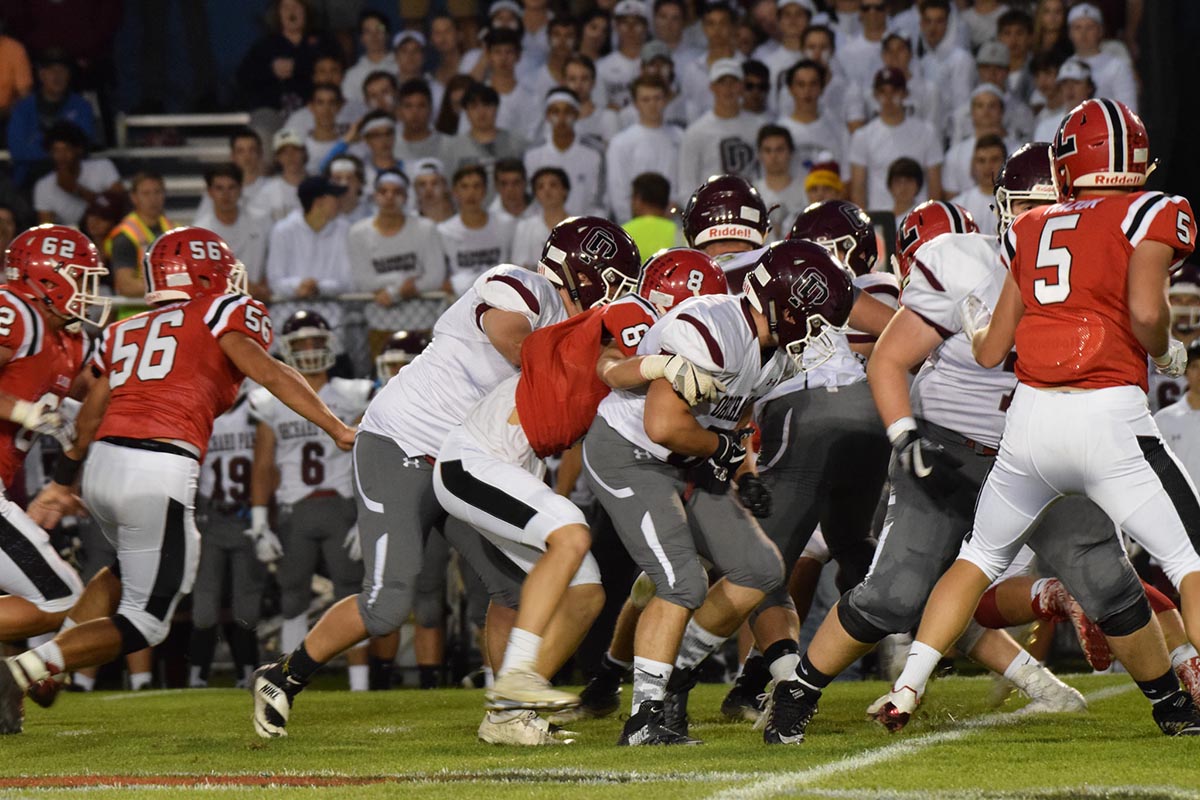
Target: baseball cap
{"points": [[724, 68], [655, 49], [315, 186], [407, 36], [630, 8], [286, 138], [889, 76], [504, 5], [1085, 11], [993, 54], [988, 88], [807, 5], [1074, 70], [434, 165]]}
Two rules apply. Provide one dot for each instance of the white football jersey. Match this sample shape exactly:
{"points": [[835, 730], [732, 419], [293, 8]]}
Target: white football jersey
{"points": [[225, 476], [717, 334], [418, 407], [951, 389], [1179, 425], [1164, 390], [307, 459]]}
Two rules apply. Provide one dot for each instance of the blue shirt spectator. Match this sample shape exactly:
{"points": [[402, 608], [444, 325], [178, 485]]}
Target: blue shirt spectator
{"points": [[34, 115]]}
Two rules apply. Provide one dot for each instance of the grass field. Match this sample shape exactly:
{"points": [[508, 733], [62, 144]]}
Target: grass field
{"points": [[418, 745]]}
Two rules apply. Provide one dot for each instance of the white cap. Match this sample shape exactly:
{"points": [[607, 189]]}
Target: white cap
{"points": [[504, 5], [725, 68], [1074, 70], [433, 165], [404, 36], [807, 5], [630, 8], [286, 138], [1085, 11]]}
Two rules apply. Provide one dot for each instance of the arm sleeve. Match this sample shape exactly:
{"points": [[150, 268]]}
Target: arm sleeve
{"points": [[339, 147], [24, 135]]}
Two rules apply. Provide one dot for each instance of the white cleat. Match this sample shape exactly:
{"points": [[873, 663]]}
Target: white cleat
{"points": [[1048, 695], [272, 705], [895, 708], [522, 688], [520, 728]]}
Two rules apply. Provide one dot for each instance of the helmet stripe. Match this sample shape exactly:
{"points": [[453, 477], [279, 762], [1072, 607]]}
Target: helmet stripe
{"points": [[1117, 135], [956, 219]]}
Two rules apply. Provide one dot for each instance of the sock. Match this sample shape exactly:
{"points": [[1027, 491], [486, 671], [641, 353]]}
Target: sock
{"points": [[489, 677], [615, 664], [522, 650], [696, 646], [298, 666], [1022, 658], [782, 658], [292, 633], [1183, 654], [649, 680], [196, 678], [810, 676], [51, 655], [987, 613], [140, 680], [360, 677], [1160, 688], [429, 677], [86, 683], [381, 673], [922, 661], [1159, 602], [201, 648]]}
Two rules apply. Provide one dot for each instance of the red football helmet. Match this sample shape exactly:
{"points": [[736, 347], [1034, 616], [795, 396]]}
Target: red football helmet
{"points": [[595, 260], [1027, 175], [843, 229], [671, 276], [1101, 144], [925, 223], [725, 207], [185, 263], [805, 294], [401, 348], [60, 268]]}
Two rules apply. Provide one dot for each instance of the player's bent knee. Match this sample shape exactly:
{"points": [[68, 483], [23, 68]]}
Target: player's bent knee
{"points": [[572, 540], [762, 569], [1130, 619], [689, 589], [857, 625], [779, 598], [139, 631], [385, 611], [429, 610]]}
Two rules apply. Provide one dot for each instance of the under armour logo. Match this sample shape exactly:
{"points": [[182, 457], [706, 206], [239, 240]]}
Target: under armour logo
{"points": [[810, 289], [641, 455], [600, 244], [412, 463]]}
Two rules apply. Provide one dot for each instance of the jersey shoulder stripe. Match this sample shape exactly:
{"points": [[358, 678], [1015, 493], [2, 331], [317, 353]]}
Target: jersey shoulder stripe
{"points": [[522, 291], [31, 324], [1148, 206], [714, 349], [929, 276], [222, 308]]}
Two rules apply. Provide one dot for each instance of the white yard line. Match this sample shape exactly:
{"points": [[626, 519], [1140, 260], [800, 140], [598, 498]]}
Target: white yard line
{"points": [[143, 693], [786, 782], [1082, 792]]}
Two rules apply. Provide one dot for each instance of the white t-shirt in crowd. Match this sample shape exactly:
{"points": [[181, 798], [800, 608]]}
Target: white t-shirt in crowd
{"points": [[249, 193], [1113, 77], [812, 140], [956, 169], [247, 237], [639, 149], [518, 111], [861, 58], [582, 165], [95, 175], [876, 145], [352, 83], [529, 237], [1179, 424], [788, 205], [979, 203], [472, 251], [715, 146], [296, 252], [276, 199], [614, 73]]}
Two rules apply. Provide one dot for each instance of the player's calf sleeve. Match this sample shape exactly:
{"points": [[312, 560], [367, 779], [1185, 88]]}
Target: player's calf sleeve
{"points": [[987, 613], [299, 665], [1159, 602]]}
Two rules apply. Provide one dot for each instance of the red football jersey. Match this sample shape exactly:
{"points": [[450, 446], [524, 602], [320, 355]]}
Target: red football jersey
{"points": [[168, 375], [1071, 262], [558, 392], [43, 365]]}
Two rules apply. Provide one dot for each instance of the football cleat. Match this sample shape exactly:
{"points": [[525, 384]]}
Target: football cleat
{"points": [[45, 691], [273, 697], [1176, 715], [647, 727], [895, 708], [745, 698], [12, 700], [523, 688], [680, 684], [1048, 694], [601, 697], [521, 728], [790, 707], [1055, 599], [1189, 675]]}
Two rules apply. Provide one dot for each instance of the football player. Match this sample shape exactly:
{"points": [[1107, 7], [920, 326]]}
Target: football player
{"points": [[163, 376], [476, 345], [53, 277], [1083, 302], [398, 351], [1184, 297], [311, 483], [644, 448], [490, 470], [726, 215], [222, 509]]}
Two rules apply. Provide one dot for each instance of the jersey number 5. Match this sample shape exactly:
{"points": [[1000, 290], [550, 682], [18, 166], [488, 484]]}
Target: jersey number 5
{"points": [[154, 358], [1047, 291]]}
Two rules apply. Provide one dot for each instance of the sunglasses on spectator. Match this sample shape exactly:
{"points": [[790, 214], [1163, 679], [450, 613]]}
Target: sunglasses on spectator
{"points": [[873, 7]]}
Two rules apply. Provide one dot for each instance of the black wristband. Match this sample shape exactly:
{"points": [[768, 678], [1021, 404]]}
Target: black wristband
{"points": [[66, 470]]}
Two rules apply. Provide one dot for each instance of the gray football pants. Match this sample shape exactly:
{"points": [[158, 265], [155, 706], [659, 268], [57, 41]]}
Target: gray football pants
{"points": [[665, 534], [396, 511], [224, 545], [314, 531], [1075, 540]]}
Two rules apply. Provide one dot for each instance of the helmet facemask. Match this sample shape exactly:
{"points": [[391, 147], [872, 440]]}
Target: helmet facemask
{"points": [[311, 360], [85, 304], [816, 346]]}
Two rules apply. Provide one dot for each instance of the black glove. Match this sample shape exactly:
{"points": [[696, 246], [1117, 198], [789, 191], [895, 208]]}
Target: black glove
{"points": [[937, 472], [755, 495], [730, 453]]}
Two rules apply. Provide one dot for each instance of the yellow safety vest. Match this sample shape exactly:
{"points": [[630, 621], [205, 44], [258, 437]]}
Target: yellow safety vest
{"points": [[138, 232]]}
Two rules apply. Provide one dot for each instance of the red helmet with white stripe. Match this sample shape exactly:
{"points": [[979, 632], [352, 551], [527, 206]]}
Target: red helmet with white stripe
{"points": [[671, 276], [59, 268], [926, 222], [185, 263], [1101, 144]]}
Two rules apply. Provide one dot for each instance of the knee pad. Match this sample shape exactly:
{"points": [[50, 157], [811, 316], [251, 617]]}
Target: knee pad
{"points": [[1128, 620], [429, 609], [247, 610], [762, 569], [138, 634], [642, 591], [856, 623], [780, 598], [690, 589], [387, 611]]}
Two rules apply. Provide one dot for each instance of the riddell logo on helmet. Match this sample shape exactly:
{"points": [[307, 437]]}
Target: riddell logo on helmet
{"points": [[1123, 179], [733, 232]]}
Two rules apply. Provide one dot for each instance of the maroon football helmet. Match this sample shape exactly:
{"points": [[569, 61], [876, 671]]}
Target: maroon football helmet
{"points": [[725, 207], [401, 348], [306, 327], [1184, 297], [1027, 175], [671, 276], [806, 296], [843, 229], [926, 222], [595, 260]]}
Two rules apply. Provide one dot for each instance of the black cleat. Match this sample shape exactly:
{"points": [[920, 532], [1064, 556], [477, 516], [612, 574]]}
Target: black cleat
{"points": [[601, 696], [12, 700], [646, 728], [273, 696], [745, 698], [790, 707], [675, 714], [1177, 715]]}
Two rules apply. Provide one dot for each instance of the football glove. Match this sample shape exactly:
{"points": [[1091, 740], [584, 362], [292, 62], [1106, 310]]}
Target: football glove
{"points": [[754, 494], [267, 547], [1172, 363], [936, 472], [691, 383], [973, 314], [353, 543], [730, 453], [43, 418]]}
